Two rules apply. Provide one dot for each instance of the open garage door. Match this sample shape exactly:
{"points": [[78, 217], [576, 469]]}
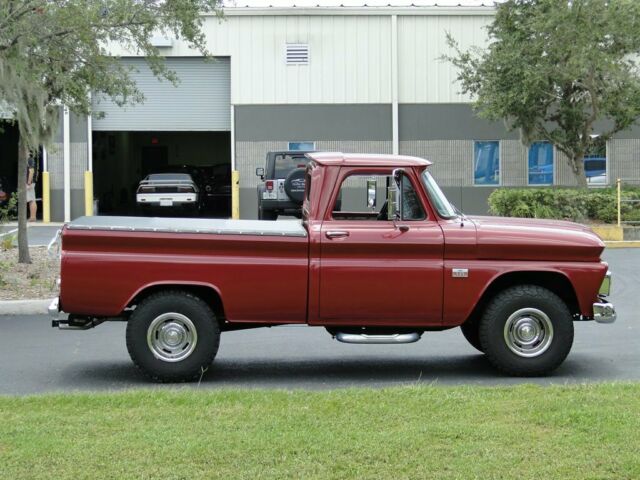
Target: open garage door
{"points": [[200, 102], [183, 130]]}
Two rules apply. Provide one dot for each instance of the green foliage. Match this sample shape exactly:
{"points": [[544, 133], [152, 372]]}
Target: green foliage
{"points": [[8, 211], [554, 69], [7, 242], [579, 205]]}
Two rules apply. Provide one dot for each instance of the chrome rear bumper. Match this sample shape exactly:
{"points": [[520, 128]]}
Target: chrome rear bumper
{"points": [[54, 308], [604, 312]]}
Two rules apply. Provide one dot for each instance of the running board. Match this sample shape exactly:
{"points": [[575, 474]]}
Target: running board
{"points": [[363, 338]]}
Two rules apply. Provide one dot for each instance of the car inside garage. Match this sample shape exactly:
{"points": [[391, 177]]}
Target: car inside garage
{"points": [[180, 131]]}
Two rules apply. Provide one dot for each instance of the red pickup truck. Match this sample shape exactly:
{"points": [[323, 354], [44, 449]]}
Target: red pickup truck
{"points": [[383, 266]]}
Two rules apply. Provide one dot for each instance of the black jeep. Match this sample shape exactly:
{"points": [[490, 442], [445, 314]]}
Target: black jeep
{"points": [[282, 189]]}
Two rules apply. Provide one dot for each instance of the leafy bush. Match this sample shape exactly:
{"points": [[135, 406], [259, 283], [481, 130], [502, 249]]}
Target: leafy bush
{"points": [[598, 205]]}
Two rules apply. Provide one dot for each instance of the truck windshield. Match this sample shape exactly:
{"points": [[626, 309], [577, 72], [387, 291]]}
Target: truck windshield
{"points": [[440, 202]]}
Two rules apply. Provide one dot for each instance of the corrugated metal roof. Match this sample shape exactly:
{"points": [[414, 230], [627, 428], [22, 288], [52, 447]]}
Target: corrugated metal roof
{"points": [[357, 3]]}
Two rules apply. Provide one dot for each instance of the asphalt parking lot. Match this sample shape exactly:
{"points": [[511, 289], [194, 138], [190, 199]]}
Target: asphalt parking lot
{"points": [[35, 358]]}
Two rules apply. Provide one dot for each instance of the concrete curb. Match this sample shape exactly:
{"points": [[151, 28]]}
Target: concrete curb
{"points": [[24, 307], [623, 244]]}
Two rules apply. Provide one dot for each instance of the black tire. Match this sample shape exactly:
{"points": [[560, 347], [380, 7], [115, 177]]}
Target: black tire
{"points": [[532, 308], [199, 353], [267, 214], [471, 331], [294, 184]]}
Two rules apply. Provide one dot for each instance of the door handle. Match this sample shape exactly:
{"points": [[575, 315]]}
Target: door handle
{"points": [[336, 234]]}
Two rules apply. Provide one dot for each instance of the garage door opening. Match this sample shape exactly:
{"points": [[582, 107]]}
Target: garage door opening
{"points": [[122, 160]]}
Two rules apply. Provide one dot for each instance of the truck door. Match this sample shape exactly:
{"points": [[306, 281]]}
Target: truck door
{"points": [[374, 271]]}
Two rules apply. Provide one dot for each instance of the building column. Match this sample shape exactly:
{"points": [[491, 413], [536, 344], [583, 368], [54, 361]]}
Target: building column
{"points": [[66, 159]]}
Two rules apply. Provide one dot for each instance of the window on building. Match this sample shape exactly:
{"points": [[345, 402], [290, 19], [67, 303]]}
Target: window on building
{"points": [[302, 146], [595, 162], [486, 163], [541, 163]]}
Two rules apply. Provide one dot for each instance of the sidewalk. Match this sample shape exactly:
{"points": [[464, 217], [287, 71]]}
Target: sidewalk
{"points": [[40, 234]]}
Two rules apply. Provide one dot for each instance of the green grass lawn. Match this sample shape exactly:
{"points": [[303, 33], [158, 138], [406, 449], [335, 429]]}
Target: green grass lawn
{"points": [[523, 432]]}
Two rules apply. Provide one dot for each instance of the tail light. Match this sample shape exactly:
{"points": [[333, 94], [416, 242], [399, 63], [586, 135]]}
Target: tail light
{"points": [[146, 189], [186, 190], [3, 195], [269, 185]]}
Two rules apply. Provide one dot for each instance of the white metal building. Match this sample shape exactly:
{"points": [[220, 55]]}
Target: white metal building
{"points": [[352, 79]]}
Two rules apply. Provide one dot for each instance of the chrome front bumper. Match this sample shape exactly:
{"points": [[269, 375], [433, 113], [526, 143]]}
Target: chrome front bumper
{"points": [[604, 312]]}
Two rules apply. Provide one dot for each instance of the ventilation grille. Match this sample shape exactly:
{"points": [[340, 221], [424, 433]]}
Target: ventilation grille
{"points": [[297, 54]]}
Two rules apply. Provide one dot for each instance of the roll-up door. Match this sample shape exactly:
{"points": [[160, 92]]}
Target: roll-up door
{"points": [[200, 101]]}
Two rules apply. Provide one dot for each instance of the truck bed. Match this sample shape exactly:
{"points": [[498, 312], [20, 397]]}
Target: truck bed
{"points": [[258, 268]]}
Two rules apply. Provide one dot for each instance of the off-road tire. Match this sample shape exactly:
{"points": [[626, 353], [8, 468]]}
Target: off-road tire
{"points": [[203, 319], [492, 330], [471, 331]]}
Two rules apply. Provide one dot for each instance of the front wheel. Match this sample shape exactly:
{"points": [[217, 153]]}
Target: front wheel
{"points": [[526, 330], [173, 336]]}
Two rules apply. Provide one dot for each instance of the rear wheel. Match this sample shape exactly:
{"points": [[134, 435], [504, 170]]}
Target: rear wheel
{"points": [[526, 330], [173, 336]]}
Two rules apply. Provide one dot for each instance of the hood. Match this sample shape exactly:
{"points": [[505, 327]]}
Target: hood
{"points": [[531, 239]]}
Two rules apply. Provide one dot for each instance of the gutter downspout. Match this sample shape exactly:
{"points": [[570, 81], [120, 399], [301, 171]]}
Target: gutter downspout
{"points": [[394, 85]]}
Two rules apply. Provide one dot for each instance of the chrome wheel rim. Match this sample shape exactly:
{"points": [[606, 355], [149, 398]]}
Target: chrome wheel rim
{"points": [[172, 337], [528, 332]]}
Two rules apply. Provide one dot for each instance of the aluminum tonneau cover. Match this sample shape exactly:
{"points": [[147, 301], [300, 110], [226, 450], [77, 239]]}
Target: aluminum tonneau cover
{"points": [[280, 228]]}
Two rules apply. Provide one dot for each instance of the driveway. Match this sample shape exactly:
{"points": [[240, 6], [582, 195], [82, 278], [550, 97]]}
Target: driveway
{"points": [[35, 358]]}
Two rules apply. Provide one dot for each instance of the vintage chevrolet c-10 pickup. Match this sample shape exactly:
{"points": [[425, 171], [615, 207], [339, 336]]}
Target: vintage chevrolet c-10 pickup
{"points": [[370, 271]]}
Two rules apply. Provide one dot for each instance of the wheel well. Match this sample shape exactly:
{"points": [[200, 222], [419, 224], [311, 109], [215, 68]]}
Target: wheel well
{"points": [[207, 294], [553, 281]]}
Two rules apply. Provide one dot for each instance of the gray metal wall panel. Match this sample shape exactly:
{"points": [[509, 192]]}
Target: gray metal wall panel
{"points": [[313, 122], [77, 128], [200, 102], [514, 159], [451, 121], [626, 153], [452, 159]]}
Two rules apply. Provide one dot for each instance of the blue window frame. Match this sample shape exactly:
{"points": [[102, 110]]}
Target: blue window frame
{"points": [[486, 163], [541, 163], [302, 145]]}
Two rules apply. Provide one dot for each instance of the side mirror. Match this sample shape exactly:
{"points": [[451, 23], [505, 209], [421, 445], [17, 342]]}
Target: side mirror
{"points": [[394, 196], [372, 191], [260, 172]]}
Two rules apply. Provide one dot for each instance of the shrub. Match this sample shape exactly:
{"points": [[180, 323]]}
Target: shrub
{"points": [[598, 205]]}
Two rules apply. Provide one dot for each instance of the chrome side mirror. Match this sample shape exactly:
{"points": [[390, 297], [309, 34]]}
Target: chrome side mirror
{"points": [[372, 192]]}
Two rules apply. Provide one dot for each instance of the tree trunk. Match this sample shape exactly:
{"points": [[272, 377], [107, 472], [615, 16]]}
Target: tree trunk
{"points": [[23, 240], [577, 166]]}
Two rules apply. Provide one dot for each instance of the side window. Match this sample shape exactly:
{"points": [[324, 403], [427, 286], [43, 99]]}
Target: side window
{"points": [[354, 199], [541, 163], [486, 163], [595, 163]]}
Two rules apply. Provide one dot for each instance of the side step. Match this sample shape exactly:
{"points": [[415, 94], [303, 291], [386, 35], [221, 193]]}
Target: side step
{"points": [[76, 323], [363, 338]]}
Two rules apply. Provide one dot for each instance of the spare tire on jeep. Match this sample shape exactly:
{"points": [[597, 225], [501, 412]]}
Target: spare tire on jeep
{"points": [[294, 185]]}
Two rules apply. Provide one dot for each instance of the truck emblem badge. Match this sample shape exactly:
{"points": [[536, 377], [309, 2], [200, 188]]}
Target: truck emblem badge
{"points": [[460, 272]]}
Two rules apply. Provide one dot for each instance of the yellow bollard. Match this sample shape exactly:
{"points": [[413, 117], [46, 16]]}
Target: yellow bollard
{"points": [[88, 193], [235, 194], [46, 198]]}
